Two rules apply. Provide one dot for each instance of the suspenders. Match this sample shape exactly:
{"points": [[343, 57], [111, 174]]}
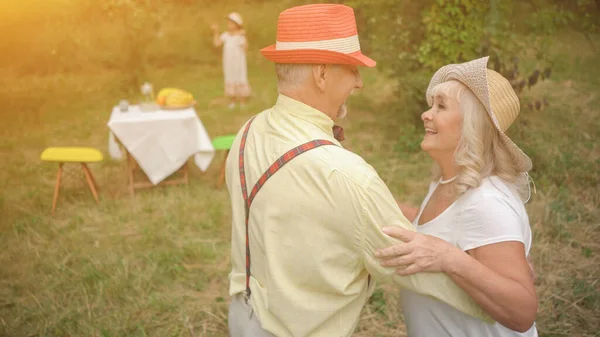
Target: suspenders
{"points": [[278, 164]]}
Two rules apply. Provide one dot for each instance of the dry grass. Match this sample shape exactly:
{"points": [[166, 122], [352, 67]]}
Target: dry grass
{"points": [[157, 264]]}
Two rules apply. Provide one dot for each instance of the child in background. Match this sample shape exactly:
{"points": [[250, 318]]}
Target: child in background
{"points": [[234, 59]]}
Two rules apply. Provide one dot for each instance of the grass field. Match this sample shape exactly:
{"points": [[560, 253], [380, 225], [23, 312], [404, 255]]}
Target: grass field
{"points": [[156, 264]]}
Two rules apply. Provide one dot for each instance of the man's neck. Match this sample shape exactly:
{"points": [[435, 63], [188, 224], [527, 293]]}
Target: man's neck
{"points": [[311, 99]]}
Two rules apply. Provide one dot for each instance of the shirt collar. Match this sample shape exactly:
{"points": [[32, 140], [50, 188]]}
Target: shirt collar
{"points": [[305, 112]]}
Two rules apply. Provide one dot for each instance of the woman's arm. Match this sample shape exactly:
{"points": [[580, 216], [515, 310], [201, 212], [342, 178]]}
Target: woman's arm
{"points": [[496, 276], [410, 212]]}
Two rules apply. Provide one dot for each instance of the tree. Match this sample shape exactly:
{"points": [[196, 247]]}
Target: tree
{"points": [[411, 39]]}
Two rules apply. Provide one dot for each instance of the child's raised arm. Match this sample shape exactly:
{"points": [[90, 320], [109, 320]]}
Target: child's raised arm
{"points": [[217, 42]]}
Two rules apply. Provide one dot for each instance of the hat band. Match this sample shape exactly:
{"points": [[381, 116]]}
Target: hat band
{"points": [[344, 45]]}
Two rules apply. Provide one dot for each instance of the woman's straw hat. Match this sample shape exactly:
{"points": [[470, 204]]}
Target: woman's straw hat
{"points": [[236, 17], [317, 34], [494, 92]]}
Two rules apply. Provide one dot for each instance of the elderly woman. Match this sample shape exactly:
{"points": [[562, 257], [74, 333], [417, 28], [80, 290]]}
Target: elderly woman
{"points": [[472, 224]]}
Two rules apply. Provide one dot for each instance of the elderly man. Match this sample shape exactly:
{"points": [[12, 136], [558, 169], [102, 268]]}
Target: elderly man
{"points": [[307, 214]]}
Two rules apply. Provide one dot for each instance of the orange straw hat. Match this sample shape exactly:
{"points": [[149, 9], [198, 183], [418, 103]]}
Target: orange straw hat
{"points": [[317, 34]]}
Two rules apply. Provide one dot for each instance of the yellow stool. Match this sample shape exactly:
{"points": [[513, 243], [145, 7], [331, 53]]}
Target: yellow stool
{"points": [[81, 155]]}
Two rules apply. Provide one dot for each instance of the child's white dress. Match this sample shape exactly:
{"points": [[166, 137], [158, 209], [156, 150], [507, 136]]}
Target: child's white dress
{"points": [[234, 65]]}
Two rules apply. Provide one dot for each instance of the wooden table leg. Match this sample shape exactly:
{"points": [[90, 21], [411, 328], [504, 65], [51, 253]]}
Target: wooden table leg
{"points": [[186, 175], [90, 181], [130, 172], [132, 166], [222, 174], [56, 187]]}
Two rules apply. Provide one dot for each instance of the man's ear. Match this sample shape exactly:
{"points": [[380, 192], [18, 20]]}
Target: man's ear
{"points": [[319, 72]]}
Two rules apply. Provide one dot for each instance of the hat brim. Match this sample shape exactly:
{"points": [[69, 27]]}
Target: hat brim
{"points": [[240, 24], [522, 161], [316, 56]]}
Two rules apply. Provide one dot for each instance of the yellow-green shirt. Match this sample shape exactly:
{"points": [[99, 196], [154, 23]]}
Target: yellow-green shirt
{"points": [[314, 227]]}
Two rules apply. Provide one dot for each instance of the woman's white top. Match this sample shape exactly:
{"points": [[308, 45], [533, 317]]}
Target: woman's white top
{"points": [[485, 215]]}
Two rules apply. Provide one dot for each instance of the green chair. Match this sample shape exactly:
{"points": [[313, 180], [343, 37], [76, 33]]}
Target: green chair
{"points": [[223, 143]]}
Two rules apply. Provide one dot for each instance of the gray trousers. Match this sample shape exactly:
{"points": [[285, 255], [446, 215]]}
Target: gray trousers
{"points": [[243, 321]]}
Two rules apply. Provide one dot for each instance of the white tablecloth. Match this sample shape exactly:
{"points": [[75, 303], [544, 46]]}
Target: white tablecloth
{"points": [[161, 141]]}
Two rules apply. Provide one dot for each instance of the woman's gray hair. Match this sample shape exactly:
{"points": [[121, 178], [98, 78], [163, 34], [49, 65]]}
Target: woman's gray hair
{"points": [[291, 76]]}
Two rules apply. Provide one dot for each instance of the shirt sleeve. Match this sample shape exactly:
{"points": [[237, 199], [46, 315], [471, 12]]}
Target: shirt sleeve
{"points": [[223, 36], [379, 209], [489, 219]]}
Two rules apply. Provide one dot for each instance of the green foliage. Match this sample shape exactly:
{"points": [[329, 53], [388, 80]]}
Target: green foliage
{"points": [[409, 141], [453, 32], [140, 20], [431, 33], [582, 15], [377, 300], [411, 39]]}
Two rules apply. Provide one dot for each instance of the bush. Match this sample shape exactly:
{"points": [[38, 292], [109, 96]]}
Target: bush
{"points": [[411, 39]]}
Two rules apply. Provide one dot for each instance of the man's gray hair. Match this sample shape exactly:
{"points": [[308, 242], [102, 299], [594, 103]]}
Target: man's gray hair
{"points": [[290, 76]]}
